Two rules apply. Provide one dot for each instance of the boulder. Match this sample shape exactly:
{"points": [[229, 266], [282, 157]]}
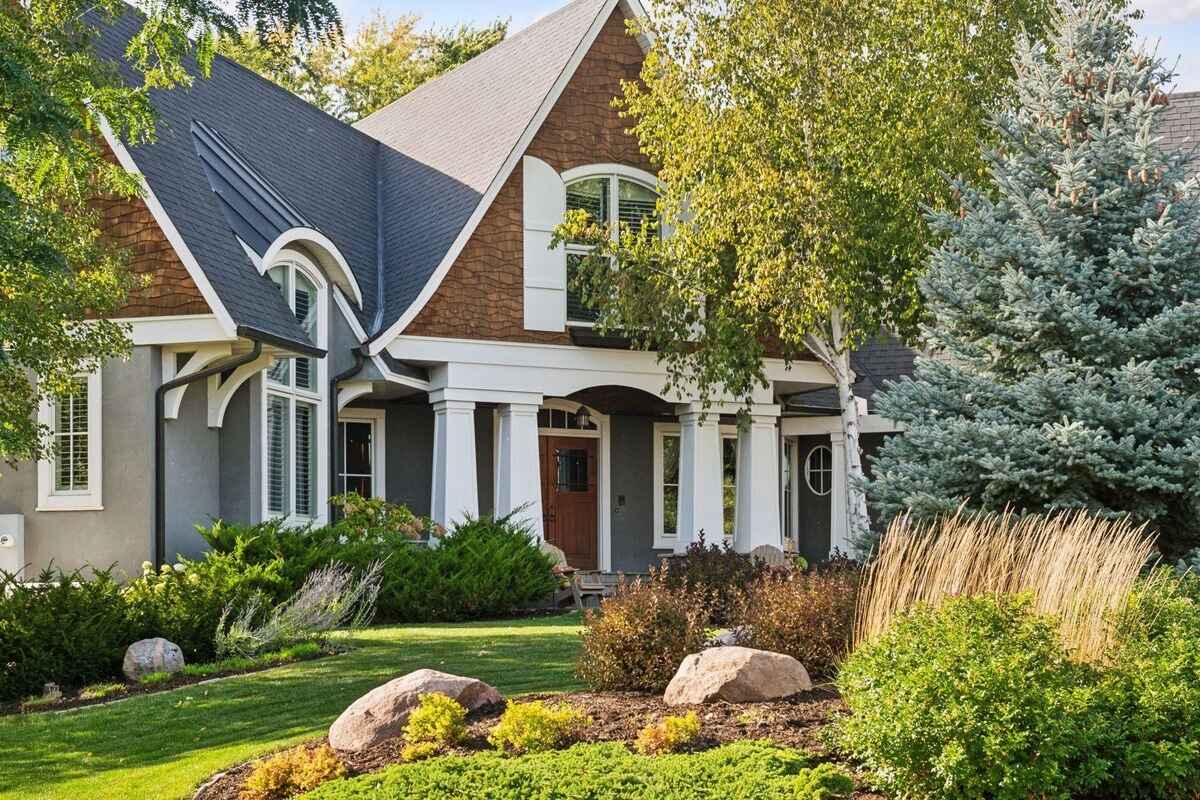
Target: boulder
{"points": [[382, 712], [151, 655], [736, 675]]}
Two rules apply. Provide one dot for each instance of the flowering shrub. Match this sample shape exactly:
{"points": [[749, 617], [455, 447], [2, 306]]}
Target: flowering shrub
{"points": [[292, 772], [535, 727], [639, 636], [808, 615], [668, 736]]}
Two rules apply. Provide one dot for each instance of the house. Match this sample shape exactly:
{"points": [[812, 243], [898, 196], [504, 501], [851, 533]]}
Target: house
{"points": [[375, 308]]}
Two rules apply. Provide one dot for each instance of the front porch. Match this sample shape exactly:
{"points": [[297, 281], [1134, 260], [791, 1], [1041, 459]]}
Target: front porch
{"points": [[585, 448]]}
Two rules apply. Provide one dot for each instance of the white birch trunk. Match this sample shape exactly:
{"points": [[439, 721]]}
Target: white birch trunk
{"points": [[834, 354]]}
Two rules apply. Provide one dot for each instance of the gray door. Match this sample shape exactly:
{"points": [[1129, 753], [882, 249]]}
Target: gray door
{"points": [[814, 479]]}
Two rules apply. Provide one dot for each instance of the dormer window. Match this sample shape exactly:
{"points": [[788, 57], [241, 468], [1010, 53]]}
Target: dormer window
{"points": [[608, 199]]}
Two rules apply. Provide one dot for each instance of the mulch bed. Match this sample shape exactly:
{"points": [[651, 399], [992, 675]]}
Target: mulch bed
{"points": [[616, 716], [134, 689]]}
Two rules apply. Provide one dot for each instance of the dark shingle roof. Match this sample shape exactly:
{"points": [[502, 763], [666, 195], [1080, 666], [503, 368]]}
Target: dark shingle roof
{"points": [[1179, 122], [448, 139], [323, 168], [880, 360]]}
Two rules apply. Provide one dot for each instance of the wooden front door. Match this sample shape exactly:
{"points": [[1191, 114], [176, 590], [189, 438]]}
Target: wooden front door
{"points": [[569, 497]]}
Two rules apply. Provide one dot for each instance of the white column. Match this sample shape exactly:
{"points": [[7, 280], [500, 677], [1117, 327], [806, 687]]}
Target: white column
{"points": [[839, 520], [758, 520], [455, 480], [518, 473], [701, 505]]}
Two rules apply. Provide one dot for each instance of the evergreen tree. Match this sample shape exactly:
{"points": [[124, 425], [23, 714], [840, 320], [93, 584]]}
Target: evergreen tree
{"points": [[1065, 306]]}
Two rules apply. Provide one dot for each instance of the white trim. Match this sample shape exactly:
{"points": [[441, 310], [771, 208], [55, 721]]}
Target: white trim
{"points": [[181, 329], [501, 177], [609, 170], [343, 305], [816, 426], [378, 419], [351, 391], [662, 430], [221, 392], [335, 266], [318, 397], [197, 274], [201, 357], [92, 499]]}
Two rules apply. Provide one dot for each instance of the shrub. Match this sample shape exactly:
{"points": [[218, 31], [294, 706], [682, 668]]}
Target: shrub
{"points": [[639, 636], [438, 720], [535, 727], [292, 772], [185, 602], [974, 699], [1152, 690], [99, 691], [417, 751], [808, 615], [668, 736], [331, 597], [67, 628], [1079, 568], [717, 570], [742, 770], [823, 782]]}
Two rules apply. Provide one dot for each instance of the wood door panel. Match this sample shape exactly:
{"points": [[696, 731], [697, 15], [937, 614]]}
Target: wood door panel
{"points": [[569, 497]]}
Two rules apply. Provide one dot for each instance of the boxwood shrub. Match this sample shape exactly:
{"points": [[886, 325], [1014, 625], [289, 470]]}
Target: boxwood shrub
{"points": [[739, 771]]}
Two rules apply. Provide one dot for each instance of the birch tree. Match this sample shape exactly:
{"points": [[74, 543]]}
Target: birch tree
{"points": [[800, 144]]}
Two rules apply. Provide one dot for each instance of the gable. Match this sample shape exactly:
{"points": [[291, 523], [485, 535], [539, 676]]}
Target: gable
{"points": [[481, 296]]}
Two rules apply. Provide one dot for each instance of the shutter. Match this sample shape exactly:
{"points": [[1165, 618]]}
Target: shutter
{"points": [[277, 454], [545, 270], [306, 458]]}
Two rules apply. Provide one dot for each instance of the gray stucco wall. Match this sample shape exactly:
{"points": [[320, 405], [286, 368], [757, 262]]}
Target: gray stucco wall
{"points": [[240, 455], [121, 533], [193, 485], [633, 495]]}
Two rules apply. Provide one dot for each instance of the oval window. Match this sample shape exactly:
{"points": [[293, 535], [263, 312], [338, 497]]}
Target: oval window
{"points": [[818, 470]]}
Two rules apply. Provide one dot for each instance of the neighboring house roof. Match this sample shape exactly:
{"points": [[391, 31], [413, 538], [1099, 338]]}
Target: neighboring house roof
{"points": [[1179, 124], [449, 138], [315, 165]]}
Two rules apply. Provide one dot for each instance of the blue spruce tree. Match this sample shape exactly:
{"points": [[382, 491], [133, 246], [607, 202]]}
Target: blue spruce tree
{"points": [[1064, 306]]}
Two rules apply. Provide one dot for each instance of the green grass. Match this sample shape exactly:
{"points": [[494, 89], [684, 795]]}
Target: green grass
{"points": [[161, 745]]}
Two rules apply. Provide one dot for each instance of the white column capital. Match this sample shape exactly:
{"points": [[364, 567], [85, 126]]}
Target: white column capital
{"points": [[443, 406], [519, 409]]}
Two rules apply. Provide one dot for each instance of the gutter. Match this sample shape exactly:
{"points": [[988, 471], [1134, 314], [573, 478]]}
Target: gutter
{"points": [[359, 359], [160, 435]]}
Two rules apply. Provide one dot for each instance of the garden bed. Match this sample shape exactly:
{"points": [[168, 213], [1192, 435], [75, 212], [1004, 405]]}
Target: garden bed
{"points": [[160, 682], [616, 717]]}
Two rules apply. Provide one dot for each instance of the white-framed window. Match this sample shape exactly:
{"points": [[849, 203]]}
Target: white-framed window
{"points": [[294, 416], [818, 470], [666, 482], [611, 198], [361, 458], [70, 479]]}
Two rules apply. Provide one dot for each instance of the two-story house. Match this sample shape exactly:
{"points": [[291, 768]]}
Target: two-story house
{"points": [[376, 308]]}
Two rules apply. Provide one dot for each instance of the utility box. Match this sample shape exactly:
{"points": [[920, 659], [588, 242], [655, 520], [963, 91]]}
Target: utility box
{"points": [[12, 543]]}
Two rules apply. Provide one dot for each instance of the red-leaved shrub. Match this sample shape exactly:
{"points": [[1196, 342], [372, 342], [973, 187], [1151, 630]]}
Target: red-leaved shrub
{"points": [[638, 637], [808, 615], [716, 569]]}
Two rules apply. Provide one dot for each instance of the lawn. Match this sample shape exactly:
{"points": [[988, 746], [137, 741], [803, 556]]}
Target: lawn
{"points": [[162, 745]]}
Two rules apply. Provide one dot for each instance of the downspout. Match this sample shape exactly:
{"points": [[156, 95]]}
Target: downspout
{"points": [[160, 441], [359, 360]]}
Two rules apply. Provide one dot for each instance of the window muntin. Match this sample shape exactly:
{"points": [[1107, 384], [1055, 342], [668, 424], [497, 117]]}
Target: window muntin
{"points": [[818, 470], [293, 406], [666, 482], [558, 419], [358, 457], [610, 200]]}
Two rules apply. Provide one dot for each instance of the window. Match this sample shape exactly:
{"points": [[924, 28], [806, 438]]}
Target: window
{"points": [[294, 403], [818, 470], [612, 200], [361, 452], [666, 482], [557, 419], [787, 487], [69, 480]]}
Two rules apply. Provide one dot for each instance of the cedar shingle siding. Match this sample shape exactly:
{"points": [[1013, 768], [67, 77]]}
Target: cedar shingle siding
{"points": [[481, 295]]}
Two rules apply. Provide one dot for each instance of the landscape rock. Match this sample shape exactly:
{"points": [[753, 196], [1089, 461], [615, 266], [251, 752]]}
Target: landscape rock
{"points": [[382, 712], [151, 655], [736, 675]]}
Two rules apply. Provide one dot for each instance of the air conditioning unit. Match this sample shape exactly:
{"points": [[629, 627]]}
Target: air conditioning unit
{"points": [[12, 543]]}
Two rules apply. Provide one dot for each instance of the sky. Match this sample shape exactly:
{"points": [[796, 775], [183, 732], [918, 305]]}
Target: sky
{"points": [[1172, 25]]}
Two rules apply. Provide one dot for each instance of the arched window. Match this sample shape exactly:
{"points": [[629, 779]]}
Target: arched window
{"points": [[612, 198], [294, 405], [818, 470]]}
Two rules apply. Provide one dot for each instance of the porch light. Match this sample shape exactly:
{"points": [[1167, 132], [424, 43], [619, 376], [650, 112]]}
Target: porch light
{"points": [[582, 418]]}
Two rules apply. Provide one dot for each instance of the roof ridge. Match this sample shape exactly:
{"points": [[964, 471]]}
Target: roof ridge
{"points": [[498, 48]]}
